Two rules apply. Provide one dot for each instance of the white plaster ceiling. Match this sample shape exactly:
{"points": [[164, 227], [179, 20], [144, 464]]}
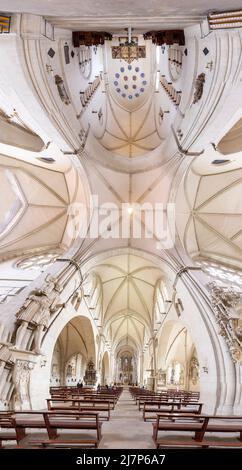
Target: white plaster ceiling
{"points": [[209, 210], [128, 286], [77, 336], [13, 133], [34, 211], [232, 141], [131, 124]]}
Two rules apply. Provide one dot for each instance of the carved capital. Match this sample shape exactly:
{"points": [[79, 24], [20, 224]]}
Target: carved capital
{"points": [[21, 379]]}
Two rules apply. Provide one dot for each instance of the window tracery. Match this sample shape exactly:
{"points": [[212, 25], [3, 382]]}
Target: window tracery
{"points": [[224, 275], [40, 261]]}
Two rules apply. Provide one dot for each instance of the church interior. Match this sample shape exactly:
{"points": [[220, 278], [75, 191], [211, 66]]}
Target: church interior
{"points": [[120, 224]]}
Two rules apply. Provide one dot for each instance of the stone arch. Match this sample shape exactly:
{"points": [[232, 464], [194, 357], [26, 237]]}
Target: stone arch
{"points": [[81, 329]]}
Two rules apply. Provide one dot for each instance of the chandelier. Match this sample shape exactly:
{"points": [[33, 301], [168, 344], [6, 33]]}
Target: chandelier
{"points": [[129, 50]]}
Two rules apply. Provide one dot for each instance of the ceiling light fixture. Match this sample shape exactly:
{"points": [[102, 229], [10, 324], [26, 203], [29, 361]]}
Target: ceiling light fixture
{"points": [[130, 210], [128, 49]]}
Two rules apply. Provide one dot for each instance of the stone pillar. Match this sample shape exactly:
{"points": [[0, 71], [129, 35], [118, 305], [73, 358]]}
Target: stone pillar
{"points": [[141, 368]]}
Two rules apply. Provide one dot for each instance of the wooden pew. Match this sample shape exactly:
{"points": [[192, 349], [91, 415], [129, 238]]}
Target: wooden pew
{"points": [[169, 394], [111, 398], [52, 421], [71, 392], [64, 443], [151, 408], [200, 425], [27, 420], [152, 398], [102, 406], [7, 429], [78, 421]]}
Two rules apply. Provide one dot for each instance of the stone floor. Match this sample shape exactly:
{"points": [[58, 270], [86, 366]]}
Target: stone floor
{"points": [[126, 428]]}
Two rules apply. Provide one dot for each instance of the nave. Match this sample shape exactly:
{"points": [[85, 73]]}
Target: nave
{"points": [[120, 224]]}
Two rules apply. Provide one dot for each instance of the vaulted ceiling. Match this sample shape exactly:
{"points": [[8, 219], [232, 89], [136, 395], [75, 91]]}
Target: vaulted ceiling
{"points": [[209, 209], [128, 283], [131, 123], [34, 213]]}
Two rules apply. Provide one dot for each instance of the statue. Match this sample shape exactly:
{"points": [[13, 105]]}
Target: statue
{"points": [[181, 378], [61, 89], [194, 370], [199, 84], [77, 298], [36, 312]]}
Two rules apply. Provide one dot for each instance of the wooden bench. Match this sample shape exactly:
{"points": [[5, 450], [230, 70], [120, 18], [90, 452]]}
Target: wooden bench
{"points": [[77, 404], [76, 421], [142, 400], [54, 421], [113, 399], [168, 394], [64, 443], [27, 420], [200, 425], [151, 409], [7, 428]]}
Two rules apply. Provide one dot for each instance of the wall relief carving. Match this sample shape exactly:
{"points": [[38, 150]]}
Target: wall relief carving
{"points": [[226, 303]]}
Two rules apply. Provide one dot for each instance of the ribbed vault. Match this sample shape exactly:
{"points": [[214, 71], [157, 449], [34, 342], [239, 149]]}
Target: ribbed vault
{"points": [[128, 285]]}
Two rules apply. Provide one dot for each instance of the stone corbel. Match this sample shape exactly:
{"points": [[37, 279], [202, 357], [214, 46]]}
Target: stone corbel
{"points": [[21, 381]]}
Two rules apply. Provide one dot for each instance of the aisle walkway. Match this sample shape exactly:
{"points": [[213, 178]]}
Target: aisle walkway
{"points": [[126, 428]]}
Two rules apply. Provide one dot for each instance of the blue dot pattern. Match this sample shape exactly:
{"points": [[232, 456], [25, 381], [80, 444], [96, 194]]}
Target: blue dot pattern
{"points": [[121, 87]]}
